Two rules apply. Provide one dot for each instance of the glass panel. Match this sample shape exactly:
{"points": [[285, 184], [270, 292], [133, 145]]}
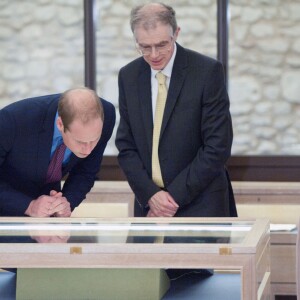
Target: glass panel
{"points": [[264, 76], [123, 232]]}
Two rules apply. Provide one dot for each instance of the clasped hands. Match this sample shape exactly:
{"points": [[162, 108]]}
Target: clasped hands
{"points": [[46, 206], [162, 204]]}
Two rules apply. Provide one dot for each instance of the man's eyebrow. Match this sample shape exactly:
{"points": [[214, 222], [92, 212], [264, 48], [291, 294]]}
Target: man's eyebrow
{"points": [[79, 141], [159, 43]]}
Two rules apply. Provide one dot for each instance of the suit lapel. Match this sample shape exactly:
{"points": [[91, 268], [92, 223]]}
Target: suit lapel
{"points": [[44, 148], [45, 141], [145, 101], [179, 73]]}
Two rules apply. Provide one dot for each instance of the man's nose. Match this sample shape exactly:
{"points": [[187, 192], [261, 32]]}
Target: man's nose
{"points": [[87, 149], [154, 52]]}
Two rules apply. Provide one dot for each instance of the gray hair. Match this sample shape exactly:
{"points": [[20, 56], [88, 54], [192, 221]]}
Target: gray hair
{"points": [[148, 15]]}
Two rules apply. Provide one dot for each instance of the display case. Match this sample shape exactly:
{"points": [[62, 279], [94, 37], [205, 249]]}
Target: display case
{"points": [[283, 261], [141, 243]]}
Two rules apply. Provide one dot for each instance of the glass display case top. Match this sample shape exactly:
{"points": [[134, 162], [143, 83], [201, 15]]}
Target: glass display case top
{"points": [[122, 231]]}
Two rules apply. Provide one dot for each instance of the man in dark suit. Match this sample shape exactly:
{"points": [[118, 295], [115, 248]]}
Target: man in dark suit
{"points": [[196, 132], [30, 132]]}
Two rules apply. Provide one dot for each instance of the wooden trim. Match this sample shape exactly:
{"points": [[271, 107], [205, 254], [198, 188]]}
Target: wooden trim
{"points": [[264, 168], [110, 170], [241, 168]]}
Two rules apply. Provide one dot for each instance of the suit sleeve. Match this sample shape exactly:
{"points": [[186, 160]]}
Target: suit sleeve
{"points": [[12, 202], [216, 134], [82, 177]]}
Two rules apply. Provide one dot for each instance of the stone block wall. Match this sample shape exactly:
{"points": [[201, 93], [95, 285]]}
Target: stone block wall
{"points": [[42, 52]]}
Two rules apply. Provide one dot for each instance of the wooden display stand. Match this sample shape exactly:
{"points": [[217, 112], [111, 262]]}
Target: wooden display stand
{"points": [[112, 199], [277, 201], [280, 203], [231, 244], [283, 263]]}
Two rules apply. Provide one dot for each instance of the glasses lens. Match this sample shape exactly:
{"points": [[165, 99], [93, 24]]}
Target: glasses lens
{"points": [[160, 49]]}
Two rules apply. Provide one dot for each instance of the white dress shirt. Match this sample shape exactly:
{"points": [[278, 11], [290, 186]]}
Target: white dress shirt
{"points": [[167, 71]]}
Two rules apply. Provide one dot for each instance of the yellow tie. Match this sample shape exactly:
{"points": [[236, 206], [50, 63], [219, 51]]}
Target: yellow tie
{"points": [[159, 112]]}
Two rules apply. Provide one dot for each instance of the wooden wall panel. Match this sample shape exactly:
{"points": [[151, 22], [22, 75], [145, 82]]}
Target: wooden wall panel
{"points": [[241, 168]]}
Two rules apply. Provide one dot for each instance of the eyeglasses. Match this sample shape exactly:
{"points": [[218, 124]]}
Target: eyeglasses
{"points": [[161, 48]]}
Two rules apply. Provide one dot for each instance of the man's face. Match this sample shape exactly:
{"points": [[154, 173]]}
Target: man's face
{"points": [[81, 138], [156, 44]]}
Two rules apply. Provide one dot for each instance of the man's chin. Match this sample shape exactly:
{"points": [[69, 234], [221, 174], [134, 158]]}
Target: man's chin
{"points": [[157, 66], [80, 155]]}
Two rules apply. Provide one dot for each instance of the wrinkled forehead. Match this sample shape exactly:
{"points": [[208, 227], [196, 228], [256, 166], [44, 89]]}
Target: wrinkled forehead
{"points": [[158, 33]]}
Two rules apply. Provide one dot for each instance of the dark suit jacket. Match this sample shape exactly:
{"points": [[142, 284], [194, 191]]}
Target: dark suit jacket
{"points": [[26, 132], [195, 139]]}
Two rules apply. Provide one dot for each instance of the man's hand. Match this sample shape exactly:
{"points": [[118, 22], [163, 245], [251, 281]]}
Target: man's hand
{"points": [[46, 206], [61, 207], [162, 204], [40, 207]]}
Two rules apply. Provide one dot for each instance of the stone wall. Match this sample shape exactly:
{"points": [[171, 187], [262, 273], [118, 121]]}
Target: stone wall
{"points": [[265, 76], [42, 52]]}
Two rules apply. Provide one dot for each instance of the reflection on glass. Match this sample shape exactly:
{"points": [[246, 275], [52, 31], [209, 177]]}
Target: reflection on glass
{"points": [[57, 236], [123, 232]]}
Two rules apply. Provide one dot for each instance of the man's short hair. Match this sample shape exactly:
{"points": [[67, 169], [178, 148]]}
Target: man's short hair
{"points": [[79, 103], [147, 17]]}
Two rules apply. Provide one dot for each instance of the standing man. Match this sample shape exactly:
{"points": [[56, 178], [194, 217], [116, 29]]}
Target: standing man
{"points": [[34, 133], [175, 131]]}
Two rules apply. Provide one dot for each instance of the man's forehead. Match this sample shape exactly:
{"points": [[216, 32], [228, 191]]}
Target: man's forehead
{"points": [[160, 32], [85, 137]]}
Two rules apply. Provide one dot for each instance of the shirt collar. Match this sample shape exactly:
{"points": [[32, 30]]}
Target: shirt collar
{"points": [[57, 137], [57, 140]]}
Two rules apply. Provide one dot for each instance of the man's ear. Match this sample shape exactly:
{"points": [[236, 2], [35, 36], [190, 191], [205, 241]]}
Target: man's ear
{"points": [[60, 124], [176, 33]]}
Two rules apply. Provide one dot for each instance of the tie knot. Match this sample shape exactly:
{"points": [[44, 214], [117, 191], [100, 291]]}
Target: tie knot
{"points": [[61, 149], [62, 146], [161, 78]]}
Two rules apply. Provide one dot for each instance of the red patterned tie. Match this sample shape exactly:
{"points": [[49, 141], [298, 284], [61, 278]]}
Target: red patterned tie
{"points": [[54, 172]]}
